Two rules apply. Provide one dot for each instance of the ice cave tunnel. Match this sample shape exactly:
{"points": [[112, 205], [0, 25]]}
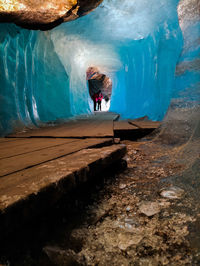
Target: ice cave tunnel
{"points": [[149, 50]]}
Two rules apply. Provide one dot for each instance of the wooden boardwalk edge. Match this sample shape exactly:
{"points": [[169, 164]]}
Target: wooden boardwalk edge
{"points": [[32, 158], [30, 191], [37, 167]]}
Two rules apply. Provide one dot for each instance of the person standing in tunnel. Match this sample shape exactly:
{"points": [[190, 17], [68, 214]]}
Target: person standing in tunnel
{"points": [[95, 100], [100, 97]]}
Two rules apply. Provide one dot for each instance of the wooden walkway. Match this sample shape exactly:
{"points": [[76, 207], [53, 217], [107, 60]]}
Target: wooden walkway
{"points": [[36, 159], [22, 154], [99, 125], [58, 158], [91, 126]]}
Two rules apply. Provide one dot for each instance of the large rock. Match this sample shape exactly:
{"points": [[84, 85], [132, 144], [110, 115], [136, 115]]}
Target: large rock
{"points": [[44, 14], [98, 81], [149, 208], [172, 192]]}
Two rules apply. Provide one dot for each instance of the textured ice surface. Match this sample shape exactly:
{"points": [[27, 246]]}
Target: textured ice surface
{"points": [[182, 122], [187, 86], [33, 83], [136, 43]]}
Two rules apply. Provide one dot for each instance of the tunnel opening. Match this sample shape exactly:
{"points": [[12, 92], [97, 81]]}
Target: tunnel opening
{"points": [[51, 76], [100, 87]]}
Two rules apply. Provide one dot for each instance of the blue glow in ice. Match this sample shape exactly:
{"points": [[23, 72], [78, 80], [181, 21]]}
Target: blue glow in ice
{"points": [[33, 83], [136, 43]]}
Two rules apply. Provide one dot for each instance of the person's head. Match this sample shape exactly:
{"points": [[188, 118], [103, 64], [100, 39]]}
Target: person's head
{"points": [[106, 98]]}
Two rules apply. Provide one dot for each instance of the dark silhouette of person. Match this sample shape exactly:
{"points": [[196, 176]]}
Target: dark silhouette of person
{"points": [[100, 98], [95, 100]]}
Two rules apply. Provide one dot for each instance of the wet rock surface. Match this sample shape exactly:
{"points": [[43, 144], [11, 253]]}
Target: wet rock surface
{"points": [[172, 193], [146, 215], [45, 14], [140, 226], [149, 208], [98, 81]]}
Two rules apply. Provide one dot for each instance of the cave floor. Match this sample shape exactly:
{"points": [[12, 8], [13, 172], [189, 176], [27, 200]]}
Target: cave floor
{"points": [[134, 222], [27, 158], [147, 214]]}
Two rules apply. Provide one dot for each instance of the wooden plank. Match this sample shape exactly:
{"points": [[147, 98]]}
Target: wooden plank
{"points": [[134, 124], [97, 125], [49, 131], [5, 140], [23, 161], [80, 129], [91, 129], [22, 146], [123, 125], [134, 129], [145, 124], [39, 132], [17, 187]]}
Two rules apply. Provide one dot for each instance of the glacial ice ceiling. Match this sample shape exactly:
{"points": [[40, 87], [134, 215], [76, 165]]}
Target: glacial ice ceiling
{"points": [[138, 44]]}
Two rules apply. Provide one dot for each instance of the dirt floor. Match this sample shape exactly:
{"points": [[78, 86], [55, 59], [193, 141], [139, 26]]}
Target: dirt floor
{"points": [[142, 218], [148, 214]]}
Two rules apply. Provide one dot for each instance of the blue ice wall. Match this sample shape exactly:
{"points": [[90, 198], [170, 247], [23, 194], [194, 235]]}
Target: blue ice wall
{"points": [[33, 83], [187, 86], [136, 43]]}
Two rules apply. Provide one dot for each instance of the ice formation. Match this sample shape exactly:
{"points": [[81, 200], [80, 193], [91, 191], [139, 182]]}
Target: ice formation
{"points": [[187, 86], [135, 43], [34, 85]]}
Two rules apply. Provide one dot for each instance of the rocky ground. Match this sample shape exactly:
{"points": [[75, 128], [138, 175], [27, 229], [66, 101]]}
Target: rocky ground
{"points": [[148, 214]]}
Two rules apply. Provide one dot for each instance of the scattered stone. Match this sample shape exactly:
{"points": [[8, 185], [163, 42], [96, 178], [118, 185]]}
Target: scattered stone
{"points": [[127, 158], [117, 140], [172, 192], [165, 204], [126, 240], [149, 208], [62, 257], [128, 226], [131, 221], [128, 208], [122, 186]]}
